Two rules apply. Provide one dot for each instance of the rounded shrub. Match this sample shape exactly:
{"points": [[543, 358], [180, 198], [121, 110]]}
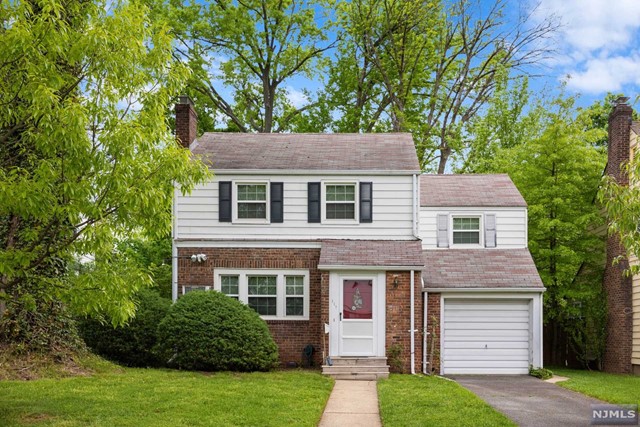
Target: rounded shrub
{"points": [[132, 344], [209, 331]]}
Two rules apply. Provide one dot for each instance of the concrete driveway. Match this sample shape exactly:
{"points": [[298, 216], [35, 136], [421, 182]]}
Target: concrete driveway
{"points": [[529, 401]]}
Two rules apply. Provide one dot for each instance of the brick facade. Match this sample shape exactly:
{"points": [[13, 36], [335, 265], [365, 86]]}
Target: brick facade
{"points": [[617, 357], [292, 336], [398, 322], [433, 330], [186, 122]]}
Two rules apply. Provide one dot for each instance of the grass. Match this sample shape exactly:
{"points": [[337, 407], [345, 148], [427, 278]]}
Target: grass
{"points": [[407, 400], [154, 397], [613, 388]]}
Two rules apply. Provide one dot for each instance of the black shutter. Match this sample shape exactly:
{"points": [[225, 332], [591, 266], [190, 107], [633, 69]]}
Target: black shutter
{"points": [[366, 202], [276, 202], [314, 208], [224, 209]]}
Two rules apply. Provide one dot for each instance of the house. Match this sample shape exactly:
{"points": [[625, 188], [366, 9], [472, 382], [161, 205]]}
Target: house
{"points": [[337, 241], [622, 349]]}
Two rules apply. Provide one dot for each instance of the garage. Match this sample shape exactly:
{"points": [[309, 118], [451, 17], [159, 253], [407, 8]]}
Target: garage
{"points": [[486, 336]]}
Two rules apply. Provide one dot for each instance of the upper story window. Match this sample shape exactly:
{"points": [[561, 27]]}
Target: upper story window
{"points": [[252, 201], [466, 230], [273, 294], [340, 201]]}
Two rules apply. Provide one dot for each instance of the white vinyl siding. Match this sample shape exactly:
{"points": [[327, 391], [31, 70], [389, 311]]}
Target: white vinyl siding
{"points": [[511, 225], [486, 336], [196, 215]]}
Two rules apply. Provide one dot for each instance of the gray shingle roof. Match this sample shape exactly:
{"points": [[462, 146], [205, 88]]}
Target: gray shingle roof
{"points": [[480, 268], [336, 152], [469, 190], [372, 253]]}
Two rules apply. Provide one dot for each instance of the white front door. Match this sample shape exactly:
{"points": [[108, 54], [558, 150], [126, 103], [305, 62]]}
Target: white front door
{"points": [[357, 315]]}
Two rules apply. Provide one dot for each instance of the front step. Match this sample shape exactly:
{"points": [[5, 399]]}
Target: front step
{"points": [[357, 368]]}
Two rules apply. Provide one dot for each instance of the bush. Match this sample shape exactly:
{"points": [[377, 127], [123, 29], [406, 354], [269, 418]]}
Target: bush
{"points": [[542, 373], [209, 331], [132, 344]]}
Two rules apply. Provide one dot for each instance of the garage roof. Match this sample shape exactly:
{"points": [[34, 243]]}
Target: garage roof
{"points": [[480, 268], [401, 254], [469, 190]]}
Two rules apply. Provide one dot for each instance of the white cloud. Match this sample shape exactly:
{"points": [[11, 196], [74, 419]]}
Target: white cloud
{"points": [[590, 25], [608, 74], [296, 97], [598, 41]]}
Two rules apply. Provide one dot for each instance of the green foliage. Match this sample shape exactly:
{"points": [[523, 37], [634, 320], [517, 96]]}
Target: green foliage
{"points": [[86, 154], [153, 397], [394, 357], [36, 326], [558, 170], [154, 255], [212, 332], [542, 373], [245, 53], [427, 68], [131, 344]]}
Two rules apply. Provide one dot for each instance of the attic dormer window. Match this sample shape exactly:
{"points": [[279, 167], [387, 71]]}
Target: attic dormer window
{"points": [[252, 201], [466, 230]]}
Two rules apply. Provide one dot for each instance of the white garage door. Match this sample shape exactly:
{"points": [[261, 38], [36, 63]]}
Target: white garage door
{"points": [[486, 336]]}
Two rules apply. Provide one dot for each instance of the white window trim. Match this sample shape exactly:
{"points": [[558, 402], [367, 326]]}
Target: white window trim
{"points": [[184, 291], [356, 202], [234, 205], [480, 230], [281, 307]]}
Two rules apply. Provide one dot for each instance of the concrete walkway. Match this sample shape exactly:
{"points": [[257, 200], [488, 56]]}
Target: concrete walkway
{"points": [[529, 401], [352, 404]]}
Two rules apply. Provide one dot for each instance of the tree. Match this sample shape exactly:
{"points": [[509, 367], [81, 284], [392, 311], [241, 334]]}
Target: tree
{"points": [[243, 54], [86, 157], [428, 67], [558, 174]]}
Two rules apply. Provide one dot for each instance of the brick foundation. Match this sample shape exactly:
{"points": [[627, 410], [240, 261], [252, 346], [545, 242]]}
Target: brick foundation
{"points": [[292, 336], [433, 329], [398, 325]]}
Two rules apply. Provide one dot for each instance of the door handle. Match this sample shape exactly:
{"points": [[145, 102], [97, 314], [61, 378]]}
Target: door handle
{"points": [[341, 317]]}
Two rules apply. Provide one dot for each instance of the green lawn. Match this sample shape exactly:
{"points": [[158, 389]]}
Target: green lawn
{"points": [[611, 388], [152, 397], [407, 400]]}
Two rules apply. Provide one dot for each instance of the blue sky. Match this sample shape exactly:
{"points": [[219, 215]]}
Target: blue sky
{"points": [[598, 46]]}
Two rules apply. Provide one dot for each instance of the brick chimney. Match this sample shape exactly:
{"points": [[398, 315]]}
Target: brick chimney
{"points": [[617, 356], [186, 121]]}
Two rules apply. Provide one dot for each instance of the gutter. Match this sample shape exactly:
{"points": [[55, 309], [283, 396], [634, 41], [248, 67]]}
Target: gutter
{"points": [[415, 208], [484, 290]]}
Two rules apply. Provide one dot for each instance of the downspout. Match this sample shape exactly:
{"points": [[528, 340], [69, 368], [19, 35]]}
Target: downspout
{"points": [[425, 300], [413, 322], [415, 206], [174, 251]]}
